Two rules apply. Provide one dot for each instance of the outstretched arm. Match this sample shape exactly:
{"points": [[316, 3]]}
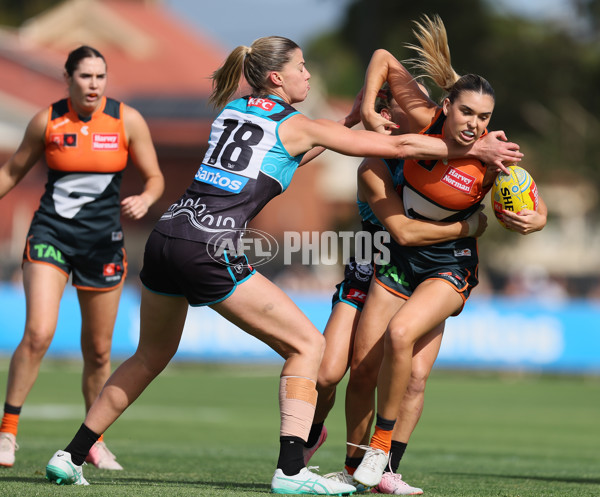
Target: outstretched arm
{"points": [[351, 120], [420, 109], [300, 134]]}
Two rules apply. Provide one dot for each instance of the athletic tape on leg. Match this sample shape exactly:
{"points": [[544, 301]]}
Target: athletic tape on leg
{"points": [[297, 401]]}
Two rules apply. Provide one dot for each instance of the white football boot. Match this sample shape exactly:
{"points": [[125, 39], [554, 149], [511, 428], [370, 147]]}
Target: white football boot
{"points": [[61, 470]]}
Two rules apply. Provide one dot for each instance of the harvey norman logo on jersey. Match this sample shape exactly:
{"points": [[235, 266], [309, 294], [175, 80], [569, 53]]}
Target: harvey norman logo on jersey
{"points": [[105, 141], [221, 179], [458, 179]]}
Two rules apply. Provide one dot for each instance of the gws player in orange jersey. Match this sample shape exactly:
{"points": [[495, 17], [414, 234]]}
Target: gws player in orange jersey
{"points": [[420, 287], [256, 144], [381, 210], [86, 140]]}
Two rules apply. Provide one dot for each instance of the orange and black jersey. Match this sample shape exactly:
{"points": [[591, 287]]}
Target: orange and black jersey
{"points": [[439, 190], [85, 158], [95, 144]]}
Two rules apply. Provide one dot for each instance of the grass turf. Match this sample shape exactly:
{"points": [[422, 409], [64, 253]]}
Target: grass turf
{"points": [[212, 430]]}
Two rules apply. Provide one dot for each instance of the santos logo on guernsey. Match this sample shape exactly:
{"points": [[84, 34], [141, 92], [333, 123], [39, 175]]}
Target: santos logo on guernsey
{"points": [[221, 179]]}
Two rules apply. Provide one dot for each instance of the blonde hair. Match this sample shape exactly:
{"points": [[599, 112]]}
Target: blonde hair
{"points": [[434, 60], [270, 53], [434, 52]]}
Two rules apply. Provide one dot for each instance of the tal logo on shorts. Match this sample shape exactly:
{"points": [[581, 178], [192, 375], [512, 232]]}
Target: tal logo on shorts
{"points": [[389, 271], [45, 251]]}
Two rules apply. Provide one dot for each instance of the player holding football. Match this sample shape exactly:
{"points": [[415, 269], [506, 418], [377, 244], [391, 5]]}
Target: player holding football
{"points": [[420, 287], [381, 209]]}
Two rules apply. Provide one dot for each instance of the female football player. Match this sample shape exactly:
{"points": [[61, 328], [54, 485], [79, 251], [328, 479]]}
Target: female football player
{"points": [[381, 209], [86, 140], [415, 291], [256, 144]]}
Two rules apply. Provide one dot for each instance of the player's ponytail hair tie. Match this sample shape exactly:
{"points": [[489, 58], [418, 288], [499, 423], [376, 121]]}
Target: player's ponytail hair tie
{"points": [[383, 94]]}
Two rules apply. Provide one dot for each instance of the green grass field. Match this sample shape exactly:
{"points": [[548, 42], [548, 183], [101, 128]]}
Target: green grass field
{"points": [[212, 430]]}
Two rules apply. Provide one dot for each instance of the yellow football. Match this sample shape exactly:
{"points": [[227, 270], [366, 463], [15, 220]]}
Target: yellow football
{"points": [[513, 192]]}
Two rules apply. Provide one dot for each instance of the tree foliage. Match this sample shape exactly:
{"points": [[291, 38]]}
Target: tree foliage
{"points": [[15, 12], [546, 75]]}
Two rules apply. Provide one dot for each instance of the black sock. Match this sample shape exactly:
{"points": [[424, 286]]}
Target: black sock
{"points": [[8, 409], [291, 459], [315, 433], [385, 424], [396, 453], [353, 462], [81, 444]]}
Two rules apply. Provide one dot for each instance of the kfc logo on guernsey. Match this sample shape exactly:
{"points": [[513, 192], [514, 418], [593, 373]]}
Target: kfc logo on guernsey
{"points": [[105, 141], [458, 180], [262, 103], [221, 179]]}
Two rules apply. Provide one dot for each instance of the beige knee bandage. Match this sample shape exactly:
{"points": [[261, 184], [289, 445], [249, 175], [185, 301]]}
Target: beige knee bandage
{"points": [[297, 401]]}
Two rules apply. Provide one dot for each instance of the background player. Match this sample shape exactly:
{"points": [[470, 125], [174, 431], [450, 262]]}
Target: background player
{"points": [[86, 140]]}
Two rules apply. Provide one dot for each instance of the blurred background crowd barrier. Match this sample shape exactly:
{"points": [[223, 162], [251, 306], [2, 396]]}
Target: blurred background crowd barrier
{"points": [[537, 305], [490, 334]]}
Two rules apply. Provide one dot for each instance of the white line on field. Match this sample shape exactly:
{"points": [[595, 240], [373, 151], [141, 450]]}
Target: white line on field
{"points": [[137, 413]]}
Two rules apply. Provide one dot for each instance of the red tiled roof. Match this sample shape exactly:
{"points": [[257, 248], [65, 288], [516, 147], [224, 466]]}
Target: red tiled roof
{"points": [[152, 56], [176, 60], [181, 61]]}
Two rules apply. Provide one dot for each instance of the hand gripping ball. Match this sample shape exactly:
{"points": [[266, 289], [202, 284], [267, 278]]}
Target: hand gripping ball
{"points": [[513, 192]]}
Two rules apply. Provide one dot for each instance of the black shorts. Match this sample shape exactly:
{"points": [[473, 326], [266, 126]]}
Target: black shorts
{"points": [[101, 267], [402, 274], [355, 286], [183, 268]]}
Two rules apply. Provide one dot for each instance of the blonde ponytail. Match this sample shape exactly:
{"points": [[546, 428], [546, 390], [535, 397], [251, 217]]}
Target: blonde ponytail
{"points": [[270, 53], [435, 61], [434, 52], [226, 79]]}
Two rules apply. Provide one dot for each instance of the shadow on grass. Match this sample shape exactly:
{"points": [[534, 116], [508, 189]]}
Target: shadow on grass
{"points": [[222, 485], [563, 479]]}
